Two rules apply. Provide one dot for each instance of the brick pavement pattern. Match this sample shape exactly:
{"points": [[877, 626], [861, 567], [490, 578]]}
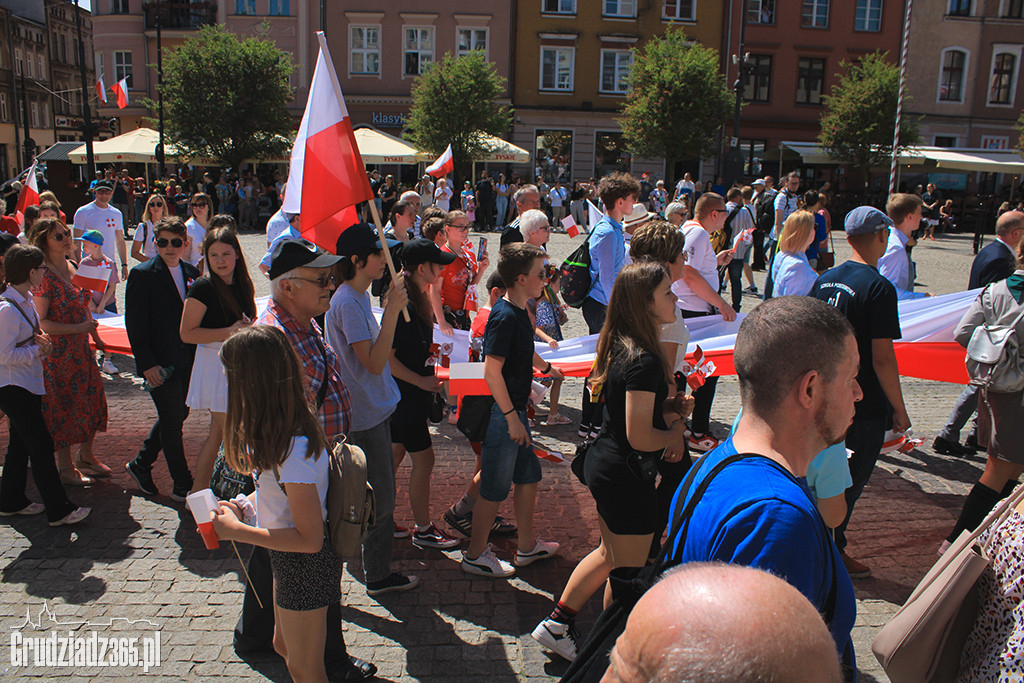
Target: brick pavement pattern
{"points": [[139, 558]]}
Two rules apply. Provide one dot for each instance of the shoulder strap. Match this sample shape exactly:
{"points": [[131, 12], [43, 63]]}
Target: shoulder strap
{"points": [[33, 324]]}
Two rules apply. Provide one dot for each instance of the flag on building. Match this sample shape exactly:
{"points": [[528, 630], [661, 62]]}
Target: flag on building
{"points": [[444, 165], [121, 90], [101, 90], [93, 278], [29, 195], [327, 178]]}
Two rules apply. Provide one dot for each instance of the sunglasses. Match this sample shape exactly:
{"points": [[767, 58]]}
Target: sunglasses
{"points": [[201, 205], [163, 242], [60, 236], [158, 205]]}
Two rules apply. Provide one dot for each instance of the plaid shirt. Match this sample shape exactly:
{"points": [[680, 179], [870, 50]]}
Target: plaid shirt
{"points": [[337, 409]]}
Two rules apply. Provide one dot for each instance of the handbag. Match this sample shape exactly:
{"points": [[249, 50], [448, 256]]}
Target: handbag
{"points": [[993, 353], [437, 406], [226, 482], [923, 641], [578, 464], [827, 259], [474, 417]]}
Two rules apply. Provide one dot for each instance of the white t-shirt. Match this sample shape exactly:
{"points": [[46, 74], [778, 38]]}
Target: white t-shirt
{"points": [[701, 256], [557, 196], [144, 236], [677, 333], [108, 221], [787, 203], [196, 233], [272, 511], [426, 195], [442, 195], [275, 226]]}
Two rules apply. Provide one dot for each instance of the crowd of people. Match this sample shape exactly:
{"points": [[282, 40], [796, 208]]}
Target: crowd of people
{"points": [[815, 360]]}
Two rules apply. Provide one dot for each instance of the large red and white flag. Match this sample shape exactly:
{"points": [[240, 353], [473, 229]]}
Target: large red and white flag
{"points": [[121, 90], [93, 278], [444, 165], [29, 194], [101, 90], [327, 178]]}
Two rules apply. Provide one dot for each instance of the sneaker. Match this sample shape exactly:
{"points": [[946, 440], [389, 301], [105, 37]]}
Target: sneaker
{"points": [[950, 447], [180, 493], [142, 477], [584, 431], [702, 443], [28, 510], [751, 289], [401, 531], [502, 527], [857, 570], [433, 538], [394, 583], [541, 551], [461, 523], [562, 639], [73, 517], [594, 432], [108, 367], [487, 564]]}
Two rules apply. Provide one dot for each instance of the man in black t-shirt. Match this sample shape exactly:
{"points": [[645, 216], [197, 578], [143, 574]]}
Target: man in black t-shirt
{"points": [[485, 201], [869, 302]]}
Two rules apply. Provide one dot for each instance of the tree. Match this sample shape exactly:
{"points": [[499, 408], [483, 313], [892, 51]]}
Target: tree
{"points": [[678, 99], [227, 99], [453, 102], [857, 124], [1019, 126]]}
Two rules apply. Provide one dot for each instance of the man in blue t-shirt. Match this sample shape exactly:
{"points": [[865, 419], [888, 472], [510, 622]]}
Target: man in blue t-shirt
{"points": [[868, 300], [797, 361]]}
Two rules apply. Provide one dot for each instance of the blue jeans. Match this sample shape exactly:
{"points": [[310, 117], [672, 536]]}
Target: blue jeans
{"points": [[380, 472], [503, 462]]}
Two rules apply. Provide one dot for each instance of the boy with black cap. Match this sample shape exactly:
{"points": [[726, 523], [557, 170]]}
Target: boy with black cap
{"points": [[868, 300], [364, 348]]}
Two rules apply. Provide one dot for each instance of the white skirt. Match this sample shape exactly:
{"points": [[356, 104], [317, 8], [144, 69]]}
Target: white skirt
{"points": [[208, 388]]}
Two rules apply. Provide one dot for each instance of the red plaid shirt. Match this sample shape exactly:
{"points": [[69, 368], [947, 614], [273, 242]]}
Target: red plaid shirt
{"points": [[337, 409]]}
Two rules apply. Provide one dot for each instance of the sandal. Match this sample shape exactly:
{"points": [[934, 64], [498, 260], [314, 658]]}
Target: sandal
{"points": [[69, 476], [92, 467], [556, 420]]}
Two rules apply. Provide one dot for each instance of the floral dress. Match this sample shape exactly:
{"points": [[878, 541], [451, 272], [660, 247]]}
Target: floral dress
{"points": [[75, 405]]}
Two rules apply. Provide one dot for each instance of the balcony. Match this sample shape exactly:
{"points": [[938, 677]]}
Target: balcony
{"points": [[180, 15]]}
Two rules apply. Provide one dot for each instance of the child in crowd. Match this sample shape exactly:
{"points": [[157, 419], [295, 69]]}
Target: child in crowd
{"points": [[550, 316], [507, 457], [92, 245]]}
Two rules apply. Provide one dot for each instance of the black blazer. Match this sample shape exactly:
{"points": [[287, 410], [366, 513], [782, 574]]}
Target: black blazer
{"points": [[993, 263], [152, 316]]}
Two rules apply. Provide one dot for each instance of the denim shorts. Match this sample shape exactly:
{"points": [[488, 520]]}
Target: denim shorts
{"points": [[503, 462]]}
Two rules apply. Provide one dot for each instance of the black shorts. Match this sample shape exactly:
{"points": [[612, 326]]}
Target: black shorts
{"points": [[627, 505], [409, 427]]}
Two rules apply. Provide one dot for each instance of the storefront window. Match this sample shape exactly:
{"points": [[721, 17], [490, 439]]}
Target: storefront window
{"points": [[610, 154], [554, 155]]}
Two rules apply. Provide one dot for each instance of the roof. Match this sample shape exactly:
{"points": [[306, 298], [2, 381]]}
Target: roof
{"points": [[948, 158], [58, 152], [31, 10]]}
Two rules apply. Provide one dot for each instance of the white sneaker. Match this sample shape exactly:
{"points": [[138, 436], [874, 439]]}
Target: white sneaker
{"points": [[108, 367], [541, 551], [487, 564], [558, 637]]}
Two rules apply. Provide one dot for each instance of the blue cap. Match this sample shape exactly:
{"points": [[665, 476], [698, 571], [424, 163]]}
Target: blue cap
{"points": [[94, 236], [866, 220]]}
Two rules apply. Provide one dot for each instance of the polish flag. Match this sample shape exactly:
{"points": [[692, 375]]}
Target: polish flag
{"points": [[93, 278], [570, 226], [327, 178], [444, 165], [29, 194], [593, 214], [467, 379], [101, 89], [121, 90]]}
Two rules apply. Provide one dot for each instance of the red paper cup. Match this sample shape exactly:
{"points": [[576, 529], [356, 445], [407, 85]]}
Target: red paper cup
{"points": [[209, 535]]}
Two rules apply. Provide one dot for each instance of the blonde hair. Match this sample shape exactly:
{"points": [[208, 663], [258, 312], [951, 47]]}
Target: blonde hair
{"points": [[795, 231], [146, 217]]}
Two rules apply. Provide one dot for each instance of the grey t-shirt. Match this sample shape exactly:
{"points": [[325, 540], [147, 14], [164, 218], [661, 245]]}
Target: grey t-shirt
{"points": [[350, 320]]}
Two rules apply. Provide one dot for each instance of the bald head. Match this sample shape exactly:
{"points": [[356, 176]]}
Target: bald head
{"points": [[1010, 227], [713, 623]]}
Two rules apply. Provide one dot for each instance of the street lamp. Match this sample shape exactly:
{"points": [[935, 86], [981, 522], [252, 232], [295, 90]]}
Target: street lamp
{"points": [[160, 96], [734, 159], [90, 161]]}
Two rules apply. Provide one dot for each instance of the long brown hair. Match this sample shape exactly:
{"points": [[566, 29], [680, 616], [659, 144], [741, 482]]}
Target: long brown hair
{"points": [[418, 301], [629, 327], [227, 235], [40, 230], [267, 401]]}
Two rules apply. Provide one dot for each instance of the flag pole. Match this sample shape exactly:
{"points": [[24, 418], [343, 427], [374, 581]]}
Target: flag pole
{"points": [[373, 207]]}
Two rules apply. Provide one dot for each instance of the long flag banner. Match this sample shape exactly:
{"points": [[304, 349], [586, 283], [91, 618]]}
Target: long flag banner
{"points": [[926, 350]]}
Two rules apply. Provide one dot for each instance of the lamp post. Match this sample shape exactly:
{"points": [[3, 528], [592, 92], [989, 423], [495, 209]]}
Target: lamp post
{"points": [[160, 96], [734, 159], [90, 161]]}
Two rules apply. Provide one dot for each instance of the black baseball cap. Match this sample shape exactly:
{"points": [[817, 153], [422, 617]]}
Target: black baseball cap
{"points": [[360, 236], [103, 185], [422, 250], [7, 240], [294, 253]]}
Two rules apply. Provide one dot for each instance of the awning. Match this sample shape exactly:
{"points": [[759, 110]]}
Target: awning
{"points": [[810, 153], [377, 147], [502, 151], [58, 151], [966, 160], [136, 146]]}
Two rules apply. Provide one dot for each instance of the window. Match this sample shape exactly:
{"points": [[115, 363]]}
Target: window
{"points": [[1013, 9], [279, 8], [29, 68], [615, 71], [815, 14], [470, 39], [245, 7], [34, 108], [364, 50], [753, 154], [945, 141], [554, 155], [1003, 68], [951, 79], [959, 8], [46, 115], [63, 48], [419, 49], [74, 52], [4, 113], [610, 154], [559, 7], [19, 63], [42, 68], [759, 79], [682, 10], [620, 8], [809, 80], [869, 15], [123, 66], [119, 6], [556, 67]]}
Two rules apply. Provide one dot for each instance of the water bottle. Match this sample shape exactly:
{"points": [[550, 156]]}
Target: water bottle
{"points": [[164, 374]]}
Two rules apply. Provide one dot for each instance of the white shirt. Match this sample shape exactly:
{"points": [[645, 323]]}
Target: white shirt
{"points": [[109, 222], [19, 366], [144, 236], [684, 186], [196, 233], [441, 198], [677, 333], [557, 196], [178, 275], [275, 226], [787, 203], [895, 265], [272, 510], [701, 256]]}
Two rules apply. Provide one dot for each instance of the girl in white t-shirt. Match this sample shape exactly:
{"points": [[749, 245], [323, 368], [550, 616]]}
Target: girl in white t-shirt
{"points": [[143, 246], [272, 432]]}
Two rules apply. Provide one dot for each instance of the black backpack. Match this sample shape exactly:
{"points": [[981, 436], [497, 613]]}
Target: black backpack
{"points": [[575, 272], [766, 215]]}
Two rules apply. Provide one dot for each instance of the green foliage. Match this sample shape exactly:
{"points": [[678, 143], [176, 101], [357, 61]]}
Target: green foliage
{"points": [[1019, 126], [678, 99], [857, 124], [227, 99], [453, 101]]}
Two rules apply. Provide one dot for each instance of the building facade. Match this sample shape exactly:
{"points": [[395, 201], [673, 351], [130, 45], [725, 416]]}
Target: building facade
{"points": [[65, 76]]}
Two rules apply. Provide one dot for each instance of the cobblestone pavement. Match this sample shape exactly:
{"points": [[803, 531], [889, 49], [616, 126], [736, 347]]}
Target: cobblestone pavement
{"points": [[137, 567]]}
